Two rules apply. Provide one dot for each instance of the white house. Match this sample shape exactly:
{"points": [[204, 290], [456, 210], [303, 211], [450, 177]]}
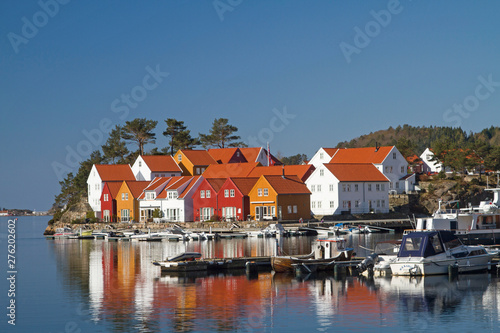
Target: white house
{"points": [[323, 155], [147, 167], [101, 173], [348, 187], [173, 196], [430, 165]]}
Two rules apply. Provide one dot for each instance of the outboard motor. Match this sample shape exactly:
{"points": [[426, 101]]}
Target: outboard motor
{"points": [[368, 263]]}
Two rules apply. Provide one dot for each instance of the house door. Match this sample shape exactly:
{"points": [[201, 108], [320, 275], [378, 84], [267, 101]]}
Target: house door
{"points": [[125, 215], [258, 213]]}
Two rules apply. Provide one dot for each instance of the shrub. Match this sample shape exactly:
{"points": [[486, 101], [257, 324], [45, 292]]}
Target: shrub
{"points": [[441, 175], [157, 213]]}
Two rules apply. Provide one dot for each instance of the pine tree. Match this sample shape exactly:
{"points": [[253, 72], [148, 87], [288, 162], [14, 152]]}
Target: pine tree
{"points": [[115, 148], [139, 131], [180, 137], [221, 135]]}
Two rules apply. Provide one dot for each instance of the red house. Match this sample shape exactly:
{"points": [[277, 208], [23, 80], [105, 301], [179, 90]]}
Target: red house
{"points": [[234, 203], [205, 198], [108, 201]]}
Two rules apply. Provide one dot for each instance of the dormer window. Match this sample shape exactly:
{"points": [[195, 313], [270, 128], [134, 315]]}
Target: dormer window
{"points": [[172, 194], [150, 195]]}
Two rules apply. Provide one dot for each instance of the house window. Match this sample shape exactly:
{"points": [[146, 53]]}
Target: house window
{"points": [[319, 204], [383, 203], [125, 216], [332, 204], [313, 188], [348, 187], [402, 169], [266, 192], [202, 170], [231, 192], [369, 187], [140, 164], [105, 215], [393, 156], [321, 172], [382, 186], [378, 203], [150, 195], [226, 193], [295, 209], [179, 157], [356, 187], [356, 203], [397, 184], [331, 187], [172, 194], [320, 156], [344, 187], [197, 171], [202, 194], [318, 187], [313, 204], [289, 209], [208, 194], [390, 169], [377, 187], [105, 197]]}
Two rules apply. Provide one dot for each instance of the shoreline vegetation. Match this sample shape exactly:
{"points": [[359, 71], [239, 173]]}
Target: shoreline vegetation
{"points": [[453, 147]]}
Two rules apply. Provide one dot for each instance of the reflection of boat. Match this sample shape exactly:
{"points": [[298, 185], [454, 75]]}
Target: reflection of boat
{"points": [[379, 262], [473, 225], [432, 252], [324, 255]]}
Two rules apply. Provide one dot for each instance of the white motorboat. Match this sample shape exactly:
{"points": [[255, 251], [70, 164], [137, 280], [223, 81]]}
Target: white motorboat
{"points": [[472, 225], [433, 252]]}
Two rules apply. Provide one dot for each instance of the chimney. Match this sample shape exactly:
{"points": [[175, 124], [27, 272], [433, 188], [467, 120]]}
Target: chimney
{"points": [[283, 171], [376, 146]]}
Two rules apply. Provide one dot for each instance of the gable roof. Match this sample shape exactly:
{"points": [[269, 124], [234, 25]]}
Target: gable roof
{"points": [[114, 172], [331, 151], [229, 170], [161, 163], [193, 181], [216, 183], [174, 184], [287, 184], [301, 171], [225, 155], [136, 187], [198, 157], [245, 185], [113, 187], [252, 154], [154, 184], [355, 172], [361, 155]]}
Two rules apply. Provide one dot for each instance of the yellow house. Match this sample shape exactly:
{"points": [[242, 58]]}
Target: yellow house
{"points": [[127, 205], [280, 198], [193, 162]]}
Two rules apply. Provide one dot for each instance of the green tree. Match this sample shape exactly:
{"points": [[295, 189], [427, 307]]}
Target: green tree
{"points": [[294, 160], [406, 147], [492, 160], [180, 137], [115, 149], [221, 135], [139, 131]]}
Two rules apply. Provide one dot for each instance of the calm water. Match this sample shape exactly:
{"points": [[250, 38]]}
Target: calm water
{"points": [[100, 286]]}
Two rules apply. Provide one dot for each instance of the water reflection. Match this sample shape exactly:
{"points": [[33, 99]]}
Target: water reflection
{"points": [[124, 292]]}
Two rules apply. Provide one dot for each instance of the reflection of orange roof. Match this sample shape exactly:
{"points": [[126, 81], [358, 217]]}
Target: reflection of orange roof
{"points": [[114, 172], [229, 170], [216, 183], [199, 157], [361, 155], [136, 187], [287, 184], [301, 171], [351, 172], [244, 184], [161, 163], [224, 155]]}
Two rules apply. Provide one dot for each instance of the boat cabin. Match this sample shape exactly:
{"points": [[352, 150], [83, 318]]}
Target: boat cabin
{"points": [[428, 243], [329, 248]]}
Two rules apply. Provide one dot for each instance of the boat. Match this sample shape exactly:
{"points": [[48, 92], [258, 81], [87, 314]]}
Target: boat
{"points": [[323, 256], [378, 263], [472, 225], [64, 233], [435, 252]]}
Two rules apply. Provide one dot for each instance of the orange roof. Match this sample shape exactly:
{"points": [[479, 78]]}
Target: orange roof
{"points": [[361, 155], [154, 184], [224, 155], [229, 170], [413, 158], [198, 157], [301, 171], [136, 187], [351, 172], [161, 163], [174, 184], [251, 154], [114, 187], [216, 183], [287, 185], [331, 151], [245, 185], [114, 172]]}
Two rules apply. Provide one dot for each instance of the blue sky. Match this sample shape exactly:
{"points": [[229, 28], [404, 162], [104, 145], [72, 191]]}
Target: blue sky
{"points": [[299, 74]]}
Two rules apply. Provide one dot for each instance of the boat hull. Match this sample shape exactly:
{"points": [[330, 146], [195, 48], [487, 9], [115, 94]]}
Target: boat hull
{"points": [[282, 264], [417, 266]]}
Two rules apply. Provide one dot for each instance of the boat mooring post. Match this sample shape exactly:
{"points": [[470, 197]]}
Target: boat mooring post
{"points": [[252, 269], [452, 271], [338, 271]]}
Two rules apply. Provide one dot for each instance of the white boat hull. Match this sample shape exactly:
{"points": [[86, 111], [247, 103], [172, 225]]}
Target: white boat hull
{"points": [[418, 266]]}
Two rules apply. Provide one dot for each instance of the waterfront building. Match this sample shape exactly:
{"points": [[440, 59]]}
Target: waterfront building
{"points": [[127, 204], [233, 198], [230, 170], [193, 162], [108, 201], [205, 199], [147, 167]]}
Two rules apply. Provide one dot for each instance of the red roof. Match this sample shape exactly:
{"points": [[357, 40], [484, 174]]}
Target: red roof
{"points": [[174, 184], [351, 172], [114, 187], [161, 163], [361, 155], [301, 171], [229, 170], [193, 181], [245, 185], [154, 184], [216, 183], [331, 151], [198, 157], [225, 155], [136, 187], [287, 184], [114, 172]]}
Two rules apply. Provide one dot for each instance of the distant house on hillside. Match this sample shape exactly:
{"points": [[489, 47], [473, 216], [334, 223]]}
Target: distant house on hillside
{"points": [[431, 165]]}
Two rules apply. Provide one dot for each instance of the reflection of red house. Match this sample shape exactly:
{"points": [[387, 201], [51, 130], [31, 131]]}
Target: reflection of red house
{"points": [[108, 201], [205, 199], [234, 202]]}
